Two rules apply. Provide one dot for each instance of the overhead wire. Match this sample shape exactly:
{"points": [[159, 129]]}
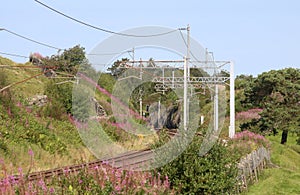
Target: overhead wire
{"points": [[86, 24], [90, 54], [102, 54], [29, 39], [187, 45], [197, 60], [102, 29], [14, 55]]}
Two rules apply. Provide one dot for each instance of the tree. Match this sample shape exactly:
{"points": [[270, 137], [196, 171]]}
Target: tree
{"points": [[242, 83], [198, 72], [151, 63], [117, 68], [278, 93], [69, 61]]}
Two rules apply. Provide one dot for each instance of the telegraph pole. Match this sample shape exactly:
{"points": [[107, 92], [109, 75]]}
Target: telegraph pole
{"points": [[141, 103], [133, 54]]}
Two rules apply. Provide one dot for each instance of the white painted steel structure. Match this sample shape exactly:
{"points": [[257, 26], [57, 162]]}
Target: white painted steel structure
{"points": [[172, 82]]}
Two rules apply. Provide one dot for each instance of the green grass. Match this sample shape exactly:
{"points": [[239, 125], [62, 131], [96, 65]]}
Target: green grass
{"points": [[284, 179], [27, 89]]}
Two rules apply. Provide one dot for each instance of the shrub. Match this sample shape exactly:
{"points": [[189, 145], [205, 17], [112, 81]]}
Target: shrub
{"points": [[213, 173], [246, 141], [249, 114], [100, 179], [60, 98]]}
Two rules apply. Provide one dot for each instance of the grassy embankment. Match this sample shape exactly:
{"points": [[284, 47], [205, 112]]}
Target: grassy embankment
{"points": [[284, 177], [23, 130]]}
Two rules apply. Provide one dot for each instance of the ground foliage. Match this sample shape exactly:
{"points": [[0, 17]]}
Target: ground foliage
{"points": [[213, 173]]}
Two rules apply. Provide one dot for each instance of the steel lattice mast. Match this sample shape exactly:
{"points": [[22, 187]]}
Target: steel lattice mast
{"points": [[163, 82]]}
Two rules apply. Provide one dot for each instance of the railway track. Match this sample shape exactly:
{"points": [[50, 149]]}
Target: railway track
{"points": [[133, 160], [173, 132]]}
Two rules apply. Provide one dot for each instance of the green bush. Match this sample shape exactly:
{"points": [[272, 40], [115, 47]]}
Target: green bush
{"points": [[213, 173], [3, 145], [81, 105], [115, 133], [107, 81], [53, 109], [60, 99]]}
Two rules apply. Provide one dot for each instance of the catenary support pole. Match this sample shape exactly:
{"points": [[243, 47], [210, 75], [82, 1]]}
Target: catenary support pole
{"points": [[188, 51], [232, 103], [185, 88], [216, 108], [158, 115]]}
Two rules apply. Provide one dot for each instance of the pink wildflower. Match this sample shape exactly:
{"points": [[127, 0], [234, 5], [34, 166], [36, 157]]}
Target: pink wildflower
{"points": [[30, 152], [20, 171], [166, 182], [42, 184], [9, 111], [118, 188], [19, 104], [51, 190]]}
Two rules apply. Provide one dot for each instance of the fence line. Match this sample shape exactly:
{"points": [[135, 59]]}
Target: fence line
{"points": [[250, 167]]}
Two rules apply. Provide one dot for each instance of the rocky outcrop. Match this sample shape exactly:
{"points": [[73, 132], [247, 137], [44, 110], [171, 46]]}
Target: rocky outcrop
{"points": [[38, 100], [164, 117], [98, 108], [50, 73], [36, 59]]}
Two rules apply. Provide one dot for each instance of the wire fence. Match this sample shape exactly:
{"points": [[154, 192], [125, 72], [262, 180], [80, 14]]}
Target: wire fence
{"points": [[250, 168]]}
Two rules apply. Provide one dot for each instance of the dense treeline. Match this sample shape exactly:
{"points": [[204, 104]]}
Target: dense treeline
{"points": [[277, 92]]}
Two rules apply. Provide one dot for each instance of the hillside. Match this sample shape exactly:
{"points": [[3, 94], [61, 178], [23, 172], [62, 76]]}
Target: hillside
{"points": [[49, 131], [23, 129]]}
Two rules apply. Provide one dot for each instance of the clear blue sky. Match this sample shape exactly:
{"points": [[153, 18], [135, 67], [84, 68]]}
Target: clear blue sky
{"points": [[257, 35]]}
